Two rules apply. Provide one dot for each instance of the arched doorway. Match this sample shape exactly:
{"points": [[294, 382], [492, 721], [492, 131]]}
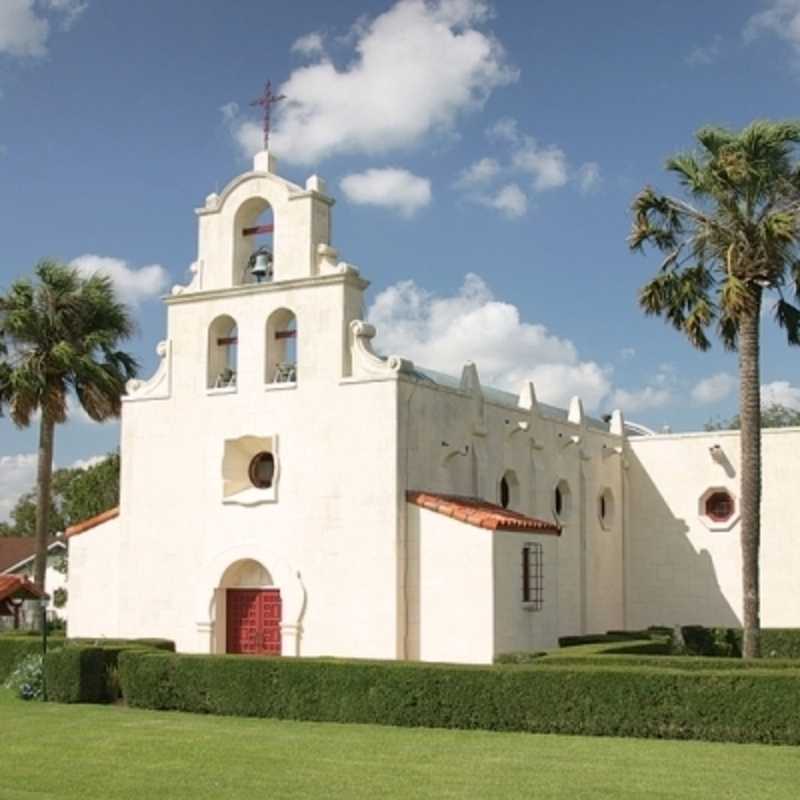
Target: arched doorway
{"points": [[252, 609]]}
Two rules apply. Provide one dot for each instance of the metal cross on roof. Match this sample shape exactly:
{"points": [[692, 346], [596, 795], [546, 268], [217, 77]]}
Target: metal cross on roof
{"points": [[266, 101]]}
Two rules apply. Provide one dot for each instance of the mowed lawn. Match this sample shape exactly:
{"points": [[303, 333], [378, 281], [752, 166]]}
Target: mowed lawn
{"points": [[57, 751]]}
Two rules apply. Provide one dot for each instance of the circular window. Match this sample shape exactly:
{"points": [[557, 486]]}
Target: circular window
{"points": [[262, 470], [719, 506]]}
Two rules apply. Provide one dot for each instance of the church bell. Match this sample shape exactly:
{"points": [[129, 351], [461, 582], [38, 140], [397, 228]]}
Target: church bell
{"points": [[262, 268]]}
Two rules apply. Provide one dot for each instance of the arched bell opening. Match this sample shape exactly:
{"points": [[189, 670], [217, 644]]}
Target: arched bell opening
{"points": [[253, 248], [281, 363], [223, 353]]}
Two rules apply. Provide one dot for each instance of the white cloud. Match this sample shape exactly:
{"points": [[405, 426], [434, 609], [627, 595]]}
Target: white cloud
{"points": [[25, 24], [390, 187], [22, 31], [132, 284], [509, 200], [781, 18], [248, 135], [644, 399], [588, 177], [88, 463], [414, 71], [704, 55], [312, 44], [547, 166], [481, 171], [714, 388], [627, 353], [70, 9], [472, 325], [17, 475], [781, 393], [506, 129]]}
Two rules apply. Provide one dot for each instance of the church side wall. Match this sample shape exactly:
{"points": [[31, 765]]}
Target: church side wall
{"points": [[680, 571], [453, 448], [451, 596], [520, 626]]}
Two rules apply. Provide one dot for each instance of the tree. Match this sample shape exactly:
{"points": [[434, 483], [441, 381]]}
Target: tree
{"points": [[23, 515], [61, 335], [734, 238], [92, 491], [774, 415], [75, 495]]}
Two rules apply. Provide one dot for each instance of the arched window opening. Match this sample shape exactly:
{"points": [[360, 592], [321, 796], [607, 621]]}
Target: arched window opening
{"points": [[508, 490], [605, 508], [281, 347], [505, 493], [223, 353], [253, 254], [562, 500]]}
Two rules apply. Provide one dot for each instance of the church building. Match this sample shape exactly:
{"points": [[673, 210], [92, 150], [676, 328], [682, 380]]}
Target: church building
{"points": [[287, 490]]}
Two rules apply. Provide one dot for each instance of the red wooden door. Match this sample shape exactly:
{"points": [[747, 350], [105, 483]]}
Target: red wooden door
{"points": [[254, 621]]}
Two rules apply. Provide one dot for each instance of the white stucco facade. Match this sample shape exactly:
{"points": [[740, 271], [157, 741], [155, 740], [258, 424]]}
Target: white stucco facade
{"points": [[280, 377]]}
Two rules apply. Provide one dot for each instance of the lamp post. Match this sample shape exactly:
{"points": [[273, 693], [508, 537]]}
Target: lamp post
{"points": [[43, 606], [15, 603]]}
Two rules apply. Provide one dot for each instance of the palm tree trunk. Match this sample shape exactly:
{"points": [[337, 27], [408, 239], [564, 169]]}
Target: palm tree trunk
{"points": [[750, 443], [44, 472]]}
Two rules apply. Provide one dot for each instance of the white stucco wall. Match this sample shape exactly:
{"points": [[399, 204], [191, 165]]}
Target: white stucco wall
{"points": [[451, 589], [681, 572], [453, 443], [518, 626], [94, 582]]}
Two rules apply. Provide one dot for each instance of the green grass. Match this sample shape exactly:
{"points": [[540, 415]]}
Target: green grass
{"points": [[58, 751]]}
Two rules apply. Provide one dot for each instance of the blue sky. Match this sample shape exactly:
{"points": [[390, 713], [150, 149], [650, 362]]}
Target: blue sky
{"points": [[484, 158]]}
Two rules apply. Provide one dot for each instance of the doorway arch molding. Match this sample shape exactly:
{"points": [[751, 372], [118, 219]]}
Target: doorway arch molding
{"points": [[284, 575]]}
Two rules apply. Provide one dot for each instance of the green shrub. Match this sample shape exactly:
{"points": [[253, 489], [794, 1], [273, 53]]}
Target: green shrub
{"points": [[85, 671], [156, 644], [15, 648], [779, 642], [26, 680], [519, 657], [727, 642], [743, 705]]}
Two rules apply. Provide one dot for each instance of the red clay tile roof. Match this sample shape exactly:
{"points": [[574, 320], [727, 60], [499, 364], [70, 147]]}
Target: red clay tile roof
{"points": [[19, 586], [92, 522], [481, 513], [14, 549]]}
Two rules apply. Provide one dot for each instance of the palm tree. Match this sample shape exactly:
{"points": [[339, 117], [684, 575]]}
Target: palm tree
{"points": [[734, 238], [59, 336]]}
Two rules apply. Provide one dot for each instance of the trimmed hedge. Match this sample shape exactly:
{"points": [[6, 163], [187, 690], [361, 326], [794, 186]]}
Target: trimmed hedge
{"points": [[734, 705], [85, 671], [13, 649], [155, 644], [698, 640]]}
